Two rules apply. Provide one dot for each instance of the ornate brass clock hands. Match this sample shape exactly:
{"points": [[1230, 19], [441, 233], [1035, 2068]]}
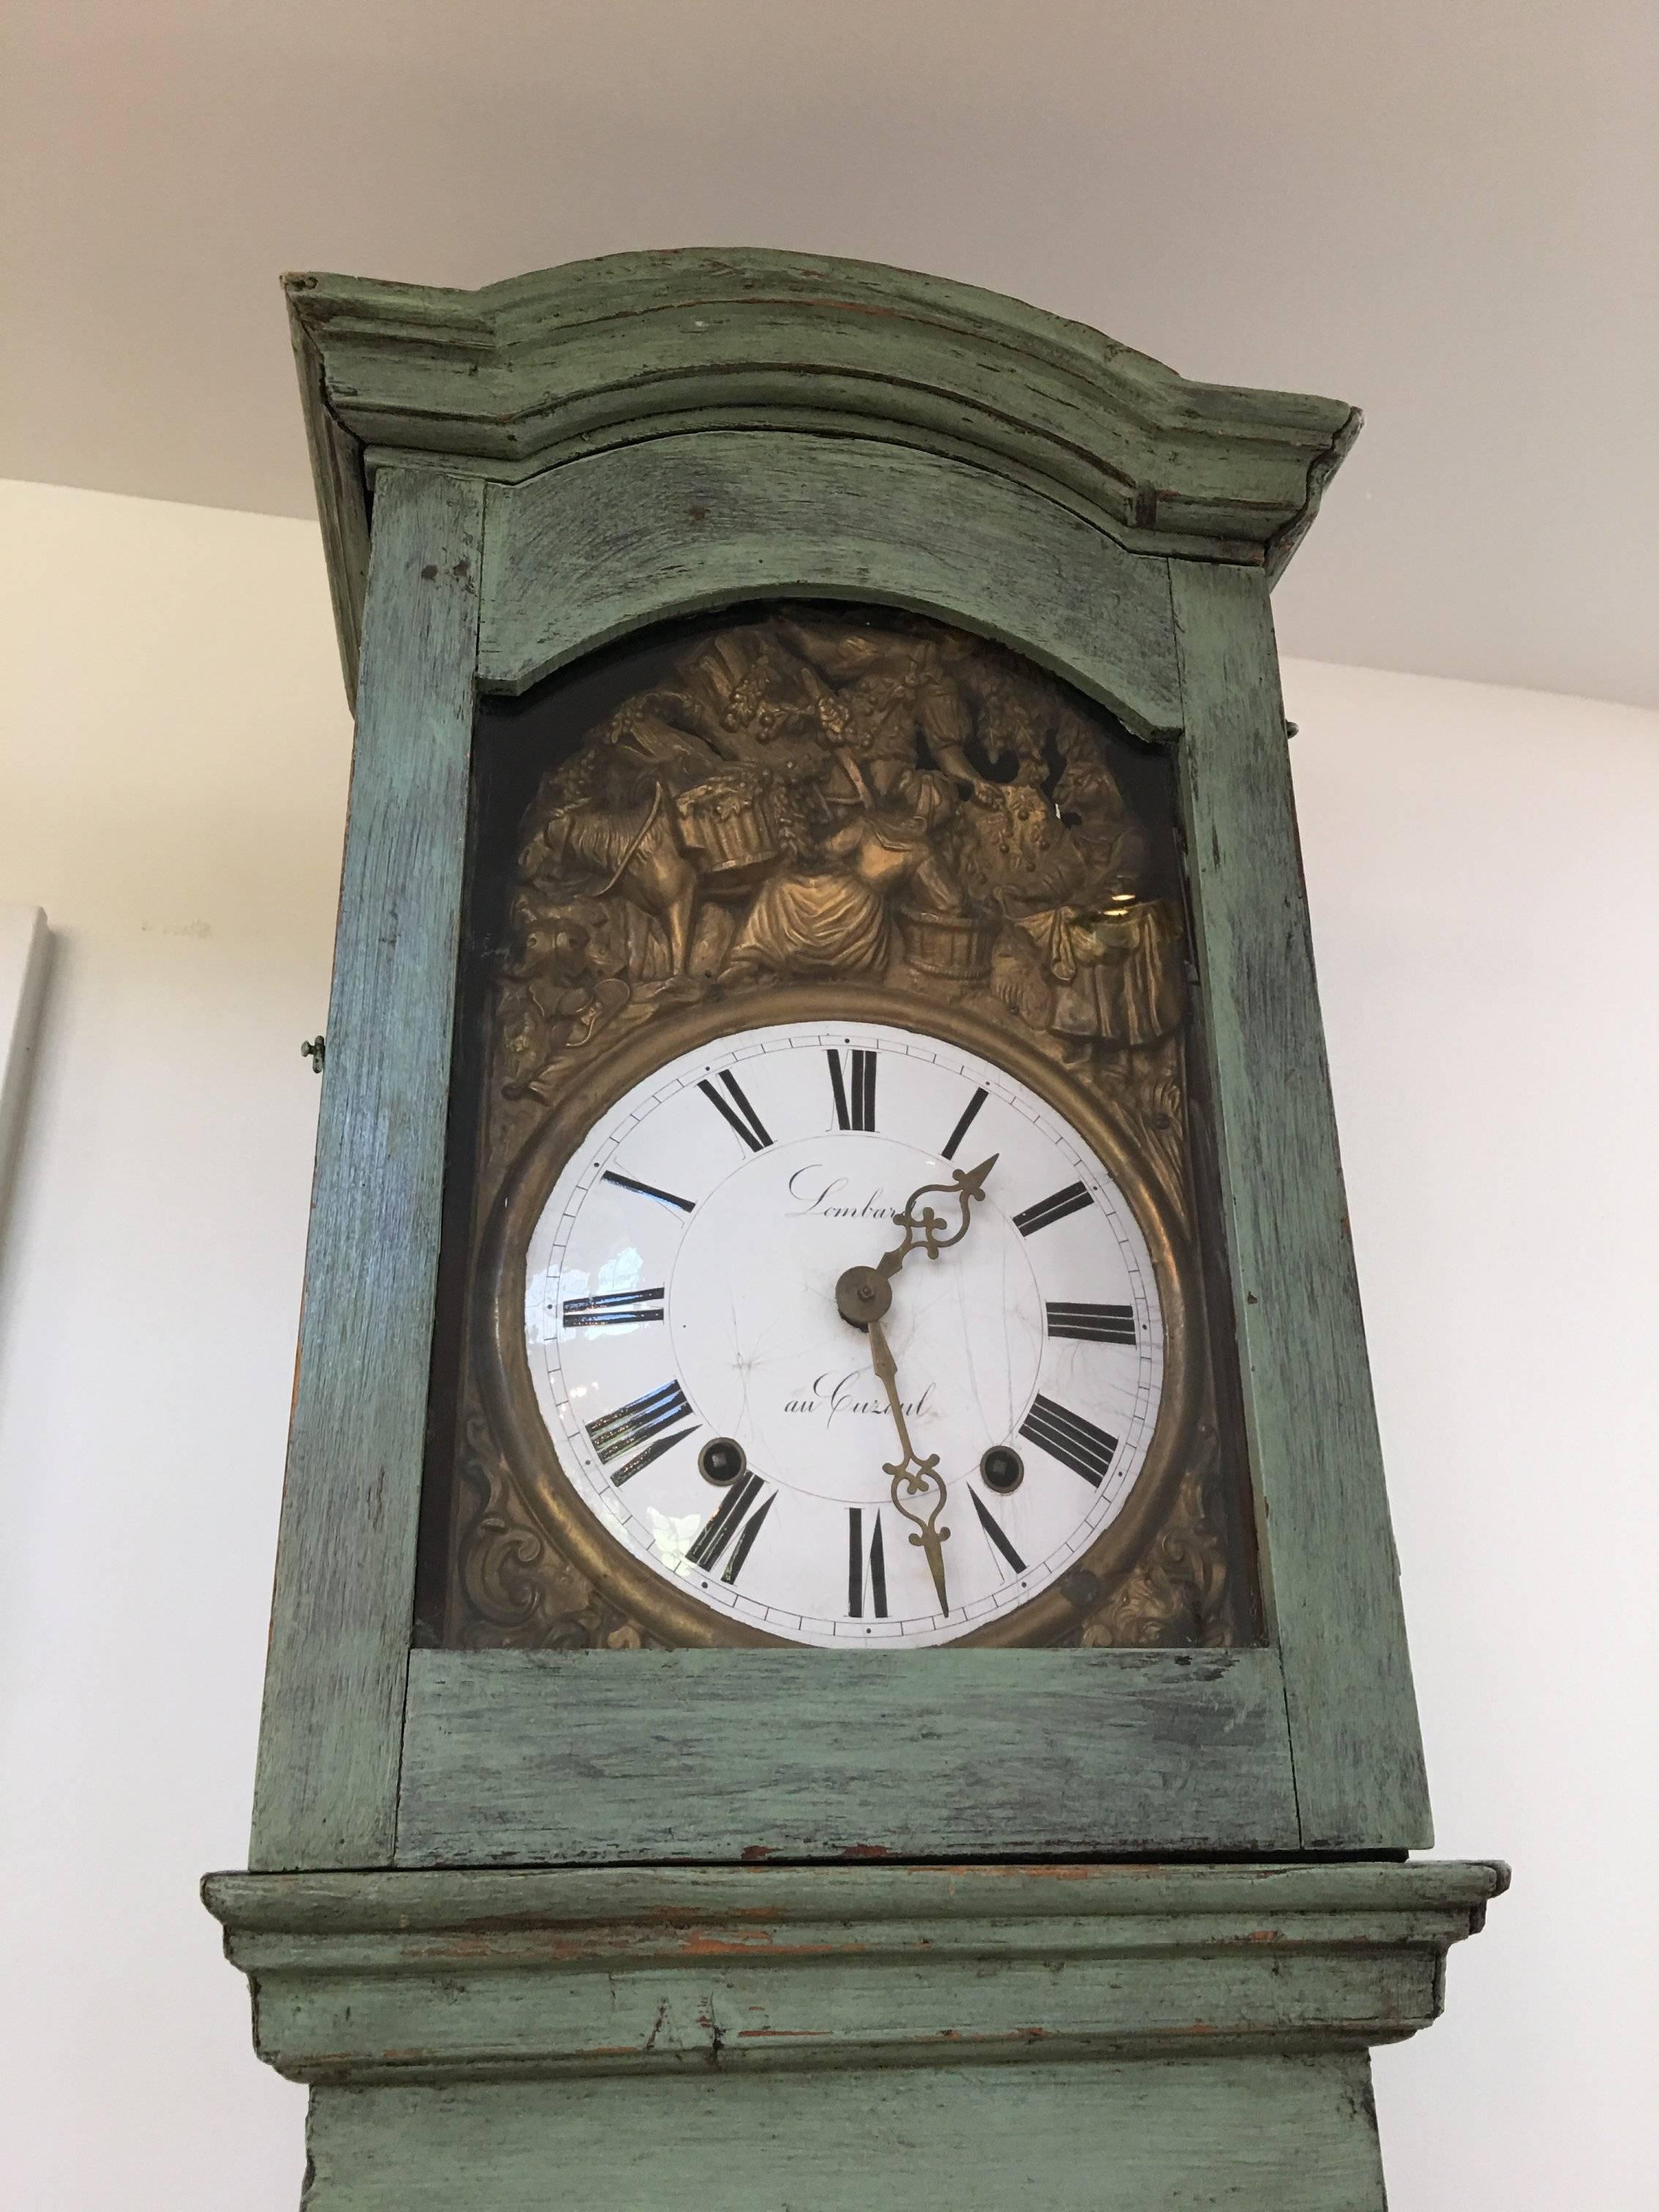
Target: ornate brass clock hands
{"points": [[913, 1476], [863, 1295]]}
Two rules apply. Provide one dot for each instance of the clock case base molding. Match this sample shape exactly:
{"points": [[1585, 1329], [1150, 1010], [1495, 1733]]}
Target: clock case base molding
{"points": [[1122, 2037]]}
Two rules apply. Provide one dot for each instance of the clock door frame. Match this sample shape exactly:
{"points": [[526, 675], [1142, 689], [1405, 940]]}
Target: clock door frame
{"points": [[376, 1755]]}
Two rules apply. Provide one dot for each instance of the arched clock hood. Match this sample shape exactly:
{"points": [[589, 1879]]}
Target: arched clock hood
{"points": [[542, 368]]}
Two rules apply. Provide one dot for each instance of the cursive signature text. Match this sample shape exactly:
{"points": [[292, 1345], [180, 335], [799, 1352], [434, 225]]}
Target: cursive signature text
{"points": [[821, 1193], [854, 1392]]}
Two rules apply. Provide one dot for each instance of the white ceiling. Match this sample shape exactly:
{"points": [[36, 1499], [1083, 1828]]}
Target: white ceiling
{"points": [[1443, 210]]}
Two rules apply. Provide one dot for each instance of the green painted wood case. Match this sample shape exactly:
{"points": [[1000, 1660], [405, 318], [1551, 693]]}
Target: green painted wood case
{"points": [[512, 479]]}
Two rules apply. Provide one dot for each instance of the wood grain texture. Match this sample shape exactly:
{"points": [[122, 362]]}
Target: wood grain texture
{"points": [[1326, 1545], [599, 354], [525, 2005], [334, 1687], [587, 552], [337, 476], [1126, 2036], [440, 1977], [1228, 2135], [1398, 1899], [520, 1757]]}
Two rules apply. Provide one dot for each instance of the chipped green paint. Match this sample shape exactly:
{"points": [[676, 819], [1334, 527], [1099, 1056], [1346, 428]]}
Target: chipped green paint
{"points": [[729, 1755], [552, 462], [509, 381], [763, 2038], [329, 1748]]}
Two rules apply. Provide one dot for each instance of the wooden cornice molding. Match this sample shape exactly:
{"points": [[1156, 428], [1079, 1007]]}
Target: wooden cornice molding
{"points": [[514, 378], [361, 1979]]}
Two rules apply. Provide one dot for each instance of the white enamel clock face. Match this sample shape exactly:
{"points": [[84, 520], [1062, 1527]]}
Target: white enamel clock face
{"points": [[712, 1408]]}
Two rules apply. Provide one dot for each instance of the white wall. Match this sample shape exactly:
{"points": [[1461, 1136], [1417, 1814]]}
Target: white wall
{"points": [[176, 746], [1441, 210], [1481, 868]]}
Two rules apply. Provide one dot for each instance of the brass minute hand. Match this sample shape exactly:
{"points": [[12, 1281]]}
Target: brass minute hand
{"points": [[863, 1295], [913, 1476]]}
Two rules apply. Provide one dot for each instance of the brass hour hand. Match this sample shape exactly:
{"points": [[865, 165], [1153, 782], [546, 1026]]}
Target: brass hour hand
{"points": [[864, 1294]]}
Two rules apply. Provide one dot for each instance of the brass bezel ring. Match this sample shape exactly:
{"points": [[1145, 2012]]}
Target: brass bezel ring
{"points": [[672, 1615]]}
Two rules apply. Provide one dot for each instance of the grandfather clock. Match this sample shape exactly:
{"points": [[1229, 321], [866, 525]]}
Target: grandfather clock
{"points": [[836, 1640]]}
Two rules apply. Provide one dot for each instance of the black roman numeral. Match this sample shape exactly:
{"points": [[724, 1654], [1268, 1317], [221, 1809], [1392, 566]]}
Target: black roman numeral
{"points": [[1067, 1436], [645, 1423], [608, 1311], [998, 1539], [647, 1190], [1092, 1324], [855, 1094], [734, 1515], [965, 1124], [1047, 1211], [857, 1560], [740, 1113]]}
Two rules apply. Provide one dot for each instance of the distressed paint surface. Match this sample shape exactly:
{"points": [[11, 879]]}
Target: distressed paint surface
{"points": [[565, 361], [1175, 2037], [1245, 2134], [579, 1757], [1183, 2036], [1326, 1545], [581, 556], [441, 1975], [326, 1792], [1368, 1895]]}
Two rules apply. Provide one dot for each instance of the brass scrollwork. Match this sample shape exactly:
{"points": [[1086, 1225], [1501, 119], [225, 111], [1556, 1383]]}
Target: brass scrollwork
{"points": [[831, 800]]}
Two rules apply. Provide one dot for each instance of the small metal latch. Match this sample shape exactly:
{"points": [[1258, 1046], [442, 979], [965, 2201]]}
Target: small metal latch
{"points": [[315, 1049]]}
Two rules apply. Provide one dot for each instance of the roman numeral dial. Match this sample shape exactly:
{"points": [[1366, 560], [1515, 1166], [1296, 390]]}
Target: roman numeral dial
{"points": [[734, 1527], [754, 1457], [1068, 1437], [1092, 1324], [647, 1190], [867, 1564], [643, 1428], [1055, 1208], [735, 1109], [995, 1536], [613, 1309], [970, 1114], [853, 1089]]}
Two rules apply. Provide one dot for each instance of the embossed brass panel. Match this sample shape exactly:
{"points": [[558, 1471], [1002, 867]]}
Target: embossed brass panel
{"points": [[791, 815]]}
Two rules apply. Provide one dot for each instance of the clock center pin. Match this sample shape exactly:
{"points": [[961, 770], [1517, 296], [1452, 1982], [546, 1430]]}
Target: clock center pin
{"points": [[863, 1295]]}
